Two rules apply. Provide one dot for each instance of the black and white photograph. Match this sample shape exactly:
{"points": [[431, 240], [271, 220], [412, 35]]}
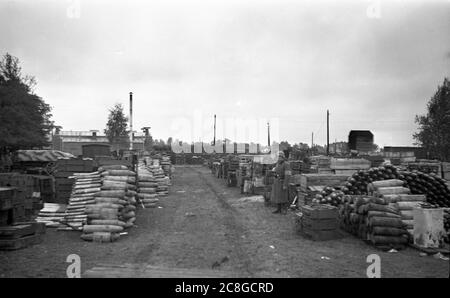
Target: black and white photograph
{"points": [[223, 146]]}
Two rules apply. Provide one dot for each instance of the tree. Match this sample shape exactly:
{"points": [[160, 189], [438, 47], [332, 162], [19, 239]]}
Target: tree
{"points": [[25, 119], [116, 127], [434, 127]]}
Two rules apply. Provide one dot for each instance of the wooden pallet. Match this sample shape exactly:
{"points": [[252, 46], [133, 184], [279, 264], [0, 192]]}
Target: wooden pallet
{"points": [[147, 271], [17, 231], [23, 242]]}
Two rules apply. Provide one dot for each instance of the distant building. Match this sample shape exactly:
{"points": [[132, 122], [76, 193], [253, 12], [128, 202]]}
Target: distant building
{"points": [[73, 141], [419, 152], [339, 148], [361, 140]]}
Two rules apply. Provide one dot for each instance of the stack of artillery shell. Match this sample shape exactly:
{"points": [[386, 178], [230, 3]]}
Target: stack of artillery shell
{"points": [[114, 205], [52, 214], [161, 179], [166, 166], [147, 187], [85, 187], [374, 220], [398, 197]]}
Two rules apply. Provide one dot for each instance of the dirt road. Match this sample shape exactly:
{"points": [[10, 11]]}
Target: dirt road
{"points": [[205, 224]]}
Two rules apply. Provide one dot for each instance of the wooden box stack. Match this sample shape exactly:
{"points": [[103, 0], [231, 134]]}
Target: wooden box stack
{"points": [[348, 166], [27, 201], [7, 198], [319, 222], [296, 167], [307, 180], [65, 168], [426, 167], [45, 185], [321, 164]]}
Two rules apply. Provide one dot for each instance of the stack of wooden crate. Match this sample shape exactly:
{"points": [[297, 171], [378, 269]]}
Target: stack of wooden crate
{"points": [[45, 185], [296, 166], [349, 166], [27, 201], [425, 166], [7, 198], [65, 168], [332, 180], [321, 164], [318, 223]]}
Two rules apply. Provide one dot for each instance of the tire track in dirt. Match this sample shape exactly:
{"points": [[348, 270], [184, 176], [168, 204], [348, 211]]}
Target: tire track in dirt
{"points": [[234, 227]]}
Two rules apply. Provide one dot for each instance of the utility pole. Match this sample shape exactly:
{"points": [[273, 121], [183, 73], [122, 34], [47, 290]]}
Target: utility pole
{"points": [[268, 133], [131, 121], [312, 142], [328, 133], [214, 143]]}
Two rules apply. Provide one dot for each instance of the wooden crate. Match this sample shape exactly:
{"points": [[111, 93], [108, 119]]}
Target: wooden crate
{"points": [[7, 196], [426, 167], [23, 242], [320, 212], [307, 180], [18, 213], [16, 231], [345, 172], [349, 164], [5, 217], [295, 179]]}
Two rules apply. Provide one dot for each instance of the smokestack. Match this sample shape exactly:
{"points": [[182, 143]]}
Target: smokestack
{"points": [[131, 120]]}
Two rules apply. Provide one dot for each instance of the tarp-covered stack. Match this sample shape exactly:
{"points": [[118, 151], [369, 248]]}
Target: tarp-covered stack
{"points": [[373, 220], [86, 185], [114, 208], [147, 187]]}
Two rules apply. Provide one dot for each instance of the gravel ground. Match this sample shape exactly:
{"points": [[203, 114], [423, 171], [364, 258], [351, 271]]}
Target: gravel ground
{"points": [[205, 224]]}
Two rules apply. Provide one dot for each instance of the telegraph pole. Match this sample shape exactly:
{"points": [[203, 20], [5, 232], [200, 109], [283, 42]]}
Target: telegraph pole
{"points": [[268, 133], [131, 121], [214, 143], [328, 133]]}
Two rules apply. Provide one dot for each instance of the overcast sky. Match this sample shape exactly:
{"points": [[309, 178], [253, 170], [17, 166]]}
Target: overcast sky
{"points": [[374, 65]]}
